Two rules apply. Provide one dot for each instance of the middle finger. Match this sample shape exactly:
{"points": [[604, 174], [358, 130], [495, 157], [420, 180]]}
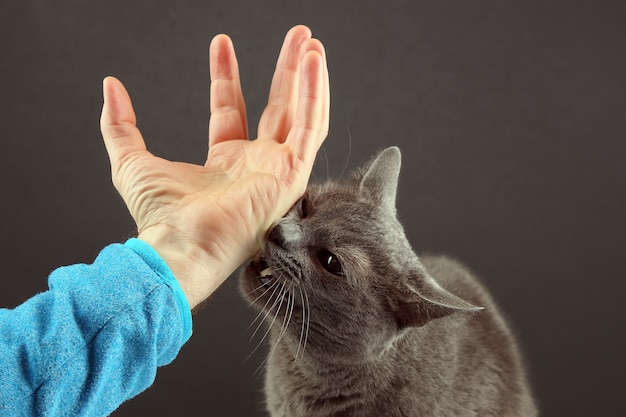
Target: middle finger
{"points": [[278, 115]]}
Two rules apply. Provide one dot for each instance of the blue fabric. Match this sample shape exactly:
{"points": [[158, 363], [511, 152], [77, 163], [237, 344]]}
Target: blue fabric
{"points": [[95, 338], [159, 266]]}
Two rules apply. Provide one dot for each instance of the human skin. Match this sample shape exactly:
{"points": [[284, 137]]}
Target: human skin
{"points": [[206, 220]]}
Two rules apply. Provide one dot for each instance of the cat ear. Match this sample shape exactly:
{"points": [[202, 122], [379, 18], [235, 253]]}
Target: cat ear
{"points": [[415, 307], [380, 180]]}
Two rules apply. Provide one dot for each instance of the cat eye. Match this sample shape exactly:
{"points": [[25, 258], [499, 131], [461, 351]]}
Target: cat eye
{"points": [[330, 262], [304, 207]]}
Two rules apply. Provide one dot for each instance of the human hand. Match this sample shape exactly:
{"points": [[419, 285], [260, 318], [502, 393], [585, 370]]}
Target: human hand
{"points": [[205, 221]]}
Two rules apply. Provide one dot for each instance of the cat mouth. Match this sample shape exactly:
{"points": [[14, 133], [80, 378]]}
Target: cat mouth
{"points": [[262, 272], [263, 278]]}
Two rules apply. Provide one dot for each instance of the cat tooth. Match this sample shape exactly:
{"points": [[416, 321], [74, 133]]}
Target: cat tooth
{"points": [[267, 271]]}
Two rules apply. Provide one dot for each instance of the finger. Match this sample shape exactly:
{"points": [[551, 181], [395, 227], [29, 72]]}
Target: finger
{"points": [[278, 115], [228, 109], [309, 131], [316, 45], [118, 123]]}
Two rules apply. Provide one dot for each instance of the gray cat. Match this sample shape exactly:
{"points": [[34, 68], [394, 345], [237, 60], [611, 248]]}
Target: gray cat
{"points": [[359, 326]]}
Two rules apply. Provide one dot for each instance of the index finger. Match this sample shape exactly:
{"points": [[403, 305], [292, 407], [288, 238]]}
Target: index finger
{"points": [[228, 110], [278, 115], [310, 126]]}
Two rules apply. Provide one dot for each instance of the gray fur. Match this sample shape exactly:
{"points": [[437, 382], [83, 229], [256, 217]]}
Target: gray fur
{"points": [[393, 335]]}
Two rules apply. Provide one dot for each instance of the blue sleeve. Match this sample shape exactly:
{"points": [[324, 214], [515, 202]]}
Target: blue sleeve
{"points": [[95, 338]]}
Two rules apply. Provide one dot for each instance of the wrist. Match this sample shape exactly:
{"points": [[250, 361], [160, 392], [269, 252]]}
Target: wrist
{"points": [[198, 272]]}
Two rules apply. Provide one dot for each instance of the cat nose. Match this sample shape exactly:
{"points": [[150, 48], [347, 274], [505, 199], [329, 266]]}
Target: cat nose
{"points": [[285, 235], [277, 236]]}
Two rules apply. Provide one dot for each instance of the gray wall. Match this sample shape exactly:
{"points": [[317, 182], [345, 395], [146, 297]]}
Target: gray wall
{"points": [[511, 117]]}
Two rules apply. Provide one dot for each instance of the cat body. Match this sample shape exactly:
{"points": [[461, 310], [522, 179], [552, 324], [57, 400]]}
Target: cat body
{"points": [[360, 326]]}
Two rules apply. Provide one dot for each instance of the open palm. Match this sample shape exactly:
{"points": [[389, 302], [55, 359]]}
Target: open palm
{"points": [[206, 220]]}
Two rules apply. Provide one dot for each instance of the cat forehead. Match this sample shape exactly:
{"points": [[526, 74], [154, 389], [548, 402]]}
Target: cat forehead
{"points": [[337, 194], [343, 204], [346, 214]]}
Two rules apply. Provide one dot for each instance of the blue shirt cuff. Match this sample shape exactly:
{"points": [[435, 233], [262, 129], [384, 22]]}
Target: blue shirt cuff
{"points": [[158, 265]]}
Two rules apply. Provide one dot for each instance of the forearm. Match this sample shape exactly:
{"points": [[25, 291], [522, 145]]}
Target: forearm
{"points": [[95, 338]]}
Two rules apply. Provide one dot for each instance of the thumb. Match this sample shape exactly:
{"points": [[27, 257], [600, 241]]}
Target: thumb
{"points": [[118, 123]]}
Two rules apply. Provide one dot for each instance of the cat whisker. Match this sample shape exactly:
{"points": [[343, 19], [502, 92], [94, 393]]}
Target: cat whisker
{"points": [[272, 281], [343, 170], [264, 310], [303, 323], [327, 164], [281, 298], [284, 327], [258, 288], [287, 318], [260, 368], [317, 174], [306, 322]]}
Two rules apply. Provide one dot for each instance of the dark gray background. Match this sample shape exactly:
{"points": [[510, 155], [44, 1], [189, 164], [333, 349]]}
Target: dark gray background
{"points": [[511, 117]]}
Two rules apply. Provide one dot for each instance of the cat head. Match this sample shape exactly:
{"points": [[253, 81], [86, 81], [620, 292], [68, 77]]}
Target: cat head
{"points": [[339, 273]]}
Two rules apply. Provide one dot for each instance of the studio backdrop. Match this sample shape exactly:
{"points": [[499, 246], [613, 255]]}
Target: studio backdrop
{"points": [[511, 119]]}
